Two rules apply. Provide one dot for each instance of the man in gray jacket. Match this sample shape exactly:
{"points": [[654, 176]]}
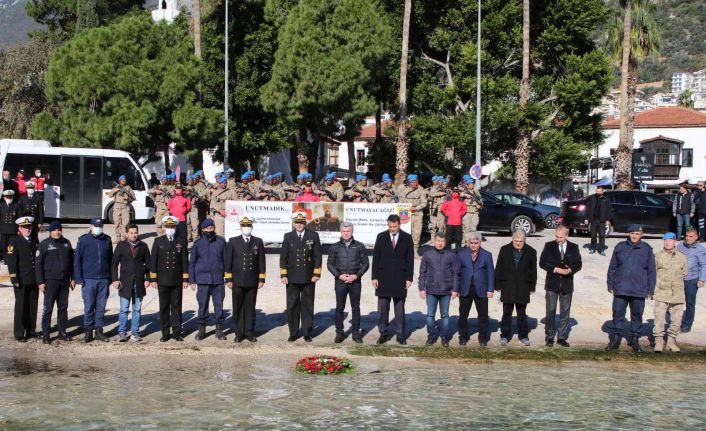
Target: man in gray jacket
{"points": [[347, 262]]}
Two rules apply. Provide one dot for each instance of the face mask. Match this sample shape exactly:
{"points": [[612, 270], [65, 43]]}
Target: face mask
{"points": [[30, 192], [37, 174], [454, 195], [8, 200], [210, 234], [246, 230], [170, 232], [575, 187], [97, 230]]}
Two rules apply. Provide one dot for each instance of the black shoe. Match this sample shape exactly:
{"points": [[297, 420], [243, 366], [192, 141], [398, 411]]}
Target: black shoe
{"points": [[88, 336], [483, 343], [238, 339], [292, 338], [21, 340], [444, 342], [550, 342], [307, 338], [635, 345], [357, 338], [563, 343], [339, 338], [382, 339], [462, 342], [429, 343], [613, 344], [32, 334], [219, 333], [178, 338], [100, 336], [201, 334], [251, 338], [685, 330], [64, 337], [165, 338], [401, 341], [46, 340]]}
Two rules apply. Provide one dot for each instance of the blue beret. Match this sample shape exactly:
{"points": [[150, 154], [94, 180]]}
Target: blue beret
{"points": [[412, 177], [162, 177], [467, 178], [360, 178], [668, 235], [222, 179], [244, 177], [470, 181], [444, 180], [634, 228], [385, 176], [300, 177], [54, 225], [122, 177], [206, 223]]}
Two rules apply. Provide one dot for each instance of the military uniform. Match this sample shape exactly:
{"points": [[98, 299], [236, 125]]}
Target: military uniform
{"points": [[8, 215], [300, 260], [122, 197], [218, 207], [436, 196], [34, 207], [360, 192], [472, 217], [20, 260], [169, 268], [55, 262], [160, 197], [416, 196], [245, 268]]}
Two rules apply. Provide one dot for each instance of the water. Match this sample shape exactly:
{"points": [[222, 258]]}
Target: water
{"points": [[230, 392]]}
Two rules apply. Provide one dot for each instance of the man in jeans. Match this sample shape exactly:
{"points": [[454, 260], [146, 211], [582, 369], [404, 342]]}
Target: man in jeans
{"points": [[438, 283], [347, 262], [131, 256], [696, 275], [561, 259], [683, 208], [476, 284], [92, 260]]}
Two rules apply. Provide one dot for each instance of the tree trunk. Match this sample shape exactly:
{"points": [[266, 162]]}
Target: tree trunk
{"points": [[196, 16], [402, 144], [522, 151], [352, 165], [302, 151], [632, 92], [623, 160], [166, 157]]}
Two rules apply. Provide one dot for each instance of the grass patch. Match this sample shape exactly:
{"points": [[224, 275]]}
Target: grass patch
{"points": [[476, 354]]}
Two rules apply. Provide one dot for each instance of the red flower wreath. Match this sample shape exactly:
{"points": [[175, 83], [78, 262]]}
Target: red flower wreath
{"points": [[324, 364]]}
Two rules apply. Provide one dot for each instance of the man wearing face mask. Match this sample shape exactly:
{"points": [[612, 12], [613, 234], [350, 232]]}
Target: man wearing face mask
{"points": [[179, 206], [8, 215], [54, 268], [92, 260], [207, 275], [300, 269], [9, 184], [245, 274], [21, 252], [39, 184], [169, 273], [122, 195], [31, 205], [454, 210], [575, 193]]}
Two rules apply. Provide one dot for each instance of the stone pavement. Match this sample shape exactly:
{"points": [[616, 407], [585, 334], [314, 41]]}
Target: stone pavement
{"points": [[591, 308]]}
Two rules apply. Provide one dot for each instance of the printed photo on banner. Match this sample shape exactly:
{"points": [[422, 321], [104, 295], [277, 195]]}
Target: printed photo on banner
{"points": [[322, 217]]}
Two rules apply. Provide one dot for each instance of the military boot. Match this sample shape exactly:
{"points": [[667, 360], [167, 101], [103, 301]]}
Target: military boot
{"points": [[88, 336], [634, 343], [659, 345], [672, 345], [219, 333], [202, 333], [100, 336]]}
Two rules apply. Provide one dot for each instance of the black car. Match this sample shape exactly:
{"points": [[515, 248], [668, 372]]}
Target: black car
{"points": [[653, 212], [498, 216]]}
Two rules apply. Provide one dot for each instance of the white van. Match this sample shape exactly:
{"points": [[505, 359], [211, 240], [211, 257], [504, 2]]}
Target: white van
{"points": [[77, 178]]}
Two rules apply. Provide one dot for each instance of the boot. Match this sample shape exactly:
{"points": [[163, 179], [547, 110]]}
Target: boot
{"points": [[100, 336], [165, 336], [88, 336], [613, 343], [659, 345], [672, 345], [219, 333], [635, 345], [202, 333]]}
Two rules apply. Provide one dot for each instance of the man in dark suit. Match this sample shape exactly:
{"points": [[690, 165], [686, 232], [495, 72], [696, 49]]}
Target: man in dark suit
{"points": [[169, 273], [8, 214], [19, 257], [561, 259], [32, 205], [516, 279], [300, 269], [245, 274], [392, 275], [477, 285], [599, 214], [130, 271]]}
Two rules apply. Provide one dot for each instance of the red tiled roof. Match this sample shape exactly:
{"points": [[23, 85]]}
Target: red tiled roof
{"points": [[367, 132], [663, 117]]}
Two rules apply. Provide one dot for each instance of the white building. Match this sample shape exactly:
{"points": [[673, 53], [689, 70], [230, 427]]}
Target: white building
{"points": [[681, 81], [677, 137]]}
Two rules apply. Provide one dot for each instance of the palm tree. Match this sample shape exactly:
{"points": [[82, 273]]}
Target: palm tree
{"points": [[633, 35], [196, 16], [685, 99], [402, 144], [522, 151]]}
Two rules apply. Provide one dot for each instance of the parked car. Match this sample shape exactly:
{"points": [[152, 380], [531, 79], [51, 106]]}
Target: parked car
{"points": [[499, 216], [653, 212], [550, 212]]}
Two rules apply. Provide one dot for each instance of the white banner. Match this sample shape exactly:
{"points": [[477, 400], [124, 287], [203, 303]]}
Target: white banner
{"points": [[273, 219]]}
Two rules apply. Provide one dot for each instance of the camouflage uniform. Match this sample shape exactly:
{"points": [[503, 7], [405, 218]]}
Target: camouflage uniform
{"points": [[122, 197], [669, 295], [416, 196], [471, 219], [218, 207], [160, 206]]}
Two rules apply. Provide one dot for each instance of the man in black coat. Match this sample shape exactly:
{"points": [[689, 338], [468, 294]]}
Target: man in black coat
{"points": [[516, 280], [169, 273], [561, 259], [54, 270], [19, 257], [130, 270], [245, 273], [700, 202], [347, 262], [8, 183], [8, 215], [599, 214], [300, 269], [392, 275], [32, 205]]}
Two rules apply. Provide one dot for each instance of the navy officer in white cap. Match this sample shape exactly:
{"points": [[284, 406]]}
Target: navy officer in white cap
{"points": [[19, 257]]}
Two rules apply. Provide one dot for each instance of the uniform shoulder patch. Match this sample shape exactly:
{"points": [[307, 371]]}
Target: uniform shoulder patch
{"points": [[10, 249]]}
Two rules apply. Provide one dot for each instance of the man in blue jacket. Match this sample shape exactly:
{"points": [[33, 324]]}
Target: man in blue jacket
{"points": [[94, 253], [438, 284], [631, 278], [477, 284], [207, 276]]}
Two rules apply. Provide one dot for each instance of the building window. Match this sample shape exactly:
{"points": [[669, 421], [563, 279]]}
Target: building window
{"points": [[687, 157], [360, 158], [333, 156]]}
